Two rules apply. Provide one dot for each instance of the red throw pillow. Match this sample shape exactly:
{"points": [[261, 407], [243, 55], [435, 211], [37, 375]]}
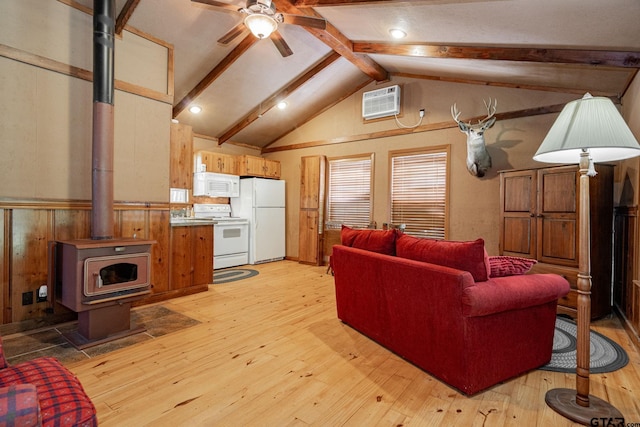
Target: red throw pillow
{"points": [[381, 241], [466, 256], [509, 265]]}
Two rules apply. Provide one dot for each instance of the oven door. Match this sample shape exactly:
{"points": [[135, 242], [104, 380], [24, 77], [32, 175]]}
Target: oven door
{"points": [[230, 238]]}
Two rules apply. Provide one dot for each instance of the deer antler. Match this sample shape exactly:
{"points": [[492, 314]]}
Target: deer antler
{"points": [[455, 113], [491, 110]]}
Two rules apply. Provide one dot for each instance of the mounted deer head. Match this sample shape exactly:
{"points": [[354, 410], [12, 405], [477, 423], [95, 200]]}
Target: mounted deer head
{"points": [[478, 159]]}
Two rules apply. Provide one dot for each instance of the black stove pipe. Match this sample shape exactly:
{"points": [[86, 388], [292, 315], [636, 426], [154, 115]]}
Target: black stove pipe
{"points": [[103, 119]]}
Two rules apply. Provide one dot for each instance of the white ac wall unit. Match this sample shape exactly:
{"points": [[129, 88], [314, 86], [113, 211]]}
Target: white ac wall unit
{"points": [[381, 102]]}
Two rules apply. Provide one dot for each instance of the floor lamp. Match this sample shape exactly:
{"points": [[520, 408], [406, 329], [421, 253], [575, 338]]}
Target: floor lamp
{"points": [[587, 130]]}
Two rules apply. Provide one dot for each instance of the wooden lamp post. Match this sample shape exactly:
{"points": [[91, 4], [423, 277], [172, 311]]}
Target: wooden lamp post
{"points": [[587, 130]]}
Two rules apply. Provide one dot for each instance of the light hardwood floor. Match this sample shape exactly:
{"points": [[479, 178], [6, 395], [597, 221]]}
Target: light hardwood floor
{"points": [[270, 351]]}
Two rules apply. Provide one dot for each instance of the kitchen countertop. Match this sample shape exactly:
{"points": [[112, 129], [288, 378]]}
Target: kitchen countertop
{"points": [[187, 222]]}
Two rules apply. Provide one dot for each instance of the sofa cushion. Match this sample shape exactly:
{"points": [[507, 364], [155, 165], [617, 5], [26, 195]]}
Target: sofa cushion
{"points": [[509, 265], [467, 256], [381, 241], [63, 401], [19, 405]]}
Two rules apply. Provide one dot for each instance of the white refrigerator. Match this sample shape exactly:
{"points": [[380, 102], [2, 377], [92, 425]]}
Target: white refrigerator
{"points": [[262, 202]]}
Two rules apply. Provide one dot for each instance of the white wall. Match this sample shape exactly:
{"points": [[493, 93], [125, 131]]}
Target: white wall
{"points": [[474, 202], [46, 116]]}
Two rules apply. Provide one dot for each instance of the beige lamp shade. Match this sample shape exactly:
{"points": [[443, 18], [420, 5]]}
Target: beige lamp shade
{"points": [[590, 124]]}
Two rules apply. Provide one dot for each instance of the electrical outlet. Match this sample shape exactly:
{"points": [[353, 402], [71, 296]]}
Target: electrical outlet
{"points": [[42, 294], [27, 298]]}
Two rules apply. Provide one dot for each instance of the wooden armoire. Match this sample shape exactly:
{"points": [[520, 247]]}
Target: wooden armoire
{"points": [[539, 214]]}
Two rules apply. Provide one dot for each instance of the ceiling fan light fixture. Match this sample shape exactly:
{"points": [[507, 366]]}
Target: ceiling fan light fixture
{"points": [[397, 33], [260, 25]]}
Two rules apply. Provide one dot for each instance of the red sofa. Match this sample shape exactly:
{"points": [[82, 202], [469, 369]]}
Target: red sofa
{"points": [[469, 333], [42, 392]]}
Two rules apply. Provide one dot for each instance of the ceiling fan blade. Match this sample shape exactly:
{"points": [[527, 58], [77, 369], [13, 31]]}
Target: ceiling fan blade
{"points": [[281, 45], [305, 21], [233, 33], [219, 4]]}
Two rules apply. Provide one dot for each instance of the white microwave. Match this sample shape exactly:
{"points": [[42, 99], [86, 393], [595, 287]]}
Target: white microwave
{"points": [[216, 184]]}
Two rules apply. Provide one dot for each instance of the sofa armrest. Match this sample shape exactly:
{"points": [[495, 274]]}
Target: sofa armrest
{"points": [[512, 293], [19, 406]]}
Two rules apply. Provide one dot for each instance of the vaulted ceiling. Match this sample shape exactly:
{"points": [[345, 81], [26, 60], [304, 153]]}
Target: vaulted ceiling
{"points": [[570, 46]]}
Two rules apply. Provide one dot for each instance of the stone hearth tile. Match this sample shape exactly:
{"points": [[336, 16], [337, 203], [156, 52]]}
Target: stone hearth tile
{"points": [[29, 343], [156, 321], [65, 353], [117, 344], [168, 323]]}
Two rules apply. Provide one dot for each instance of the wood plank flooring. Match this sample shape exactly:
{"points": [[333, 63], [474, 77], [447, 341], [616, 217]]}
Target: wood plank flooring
{"points": [[270, 351]]}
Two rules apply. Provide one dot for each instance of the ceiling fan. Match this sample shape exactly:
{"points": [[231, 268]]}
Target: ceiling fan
{"points": [[262, 20]]}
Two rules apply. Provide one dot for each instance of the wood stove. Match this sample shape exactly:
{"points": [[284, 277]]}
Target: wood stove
{"points": [[99, 279]]}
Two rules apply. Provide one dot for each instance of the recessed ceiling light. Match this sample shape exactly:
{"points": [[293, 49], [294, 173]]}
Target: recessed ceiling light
{"points": [[282, 105], [397, 33], [195, 109]]}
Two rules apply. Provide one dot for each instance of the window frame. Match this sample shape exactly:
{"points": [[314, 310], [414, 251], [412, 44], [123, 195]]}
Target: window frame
{"points": [[441, 149], [354, 157]]}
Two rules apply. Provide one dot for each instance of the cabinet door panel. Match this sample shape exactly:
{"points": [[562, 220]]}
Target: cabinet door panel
{"points": [[558, 241], [272, 168], [517, 236], [519, 190], [517, 219], [181, 167], [181, 269], [557, 216], [310, 181], [308, 239], [159, 230], [202, 254], [558, 192]]}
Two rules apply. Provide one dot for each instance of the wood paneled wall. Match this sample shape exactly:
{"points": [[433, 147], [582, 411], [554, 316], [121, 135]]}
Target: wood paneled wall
{"points": [[27, 228], [626, 290]]}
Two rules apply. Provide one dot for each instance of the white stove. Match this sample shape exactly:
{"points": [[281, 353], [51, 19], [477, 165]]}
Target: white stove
{"points": [[230, 235], [218, 212]]}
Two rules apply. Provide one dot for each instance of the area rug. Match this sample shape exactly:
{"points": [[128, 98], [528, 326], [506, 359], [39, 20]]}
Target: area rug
{"points": [[232, 274], [156, 320], [606, 355]]}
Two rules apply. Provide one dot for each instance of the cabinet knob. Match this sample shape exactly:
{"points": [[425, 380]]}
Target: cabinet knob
{"points": [[531, 214]]}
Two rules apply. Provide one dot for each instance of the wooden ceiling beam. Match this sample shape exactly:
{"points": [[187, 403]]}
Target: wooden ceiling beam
{"points": [[222, 66], [556, 108], [545, 88], [277, 97], [557, 56], [336, 41], [125, 14], [327, 106]]}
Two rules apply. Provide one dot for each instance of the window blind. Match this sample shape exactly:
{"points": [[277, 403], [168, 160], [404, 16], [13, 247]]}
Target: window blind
{"points": [[349, 192], [419, 192]]}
